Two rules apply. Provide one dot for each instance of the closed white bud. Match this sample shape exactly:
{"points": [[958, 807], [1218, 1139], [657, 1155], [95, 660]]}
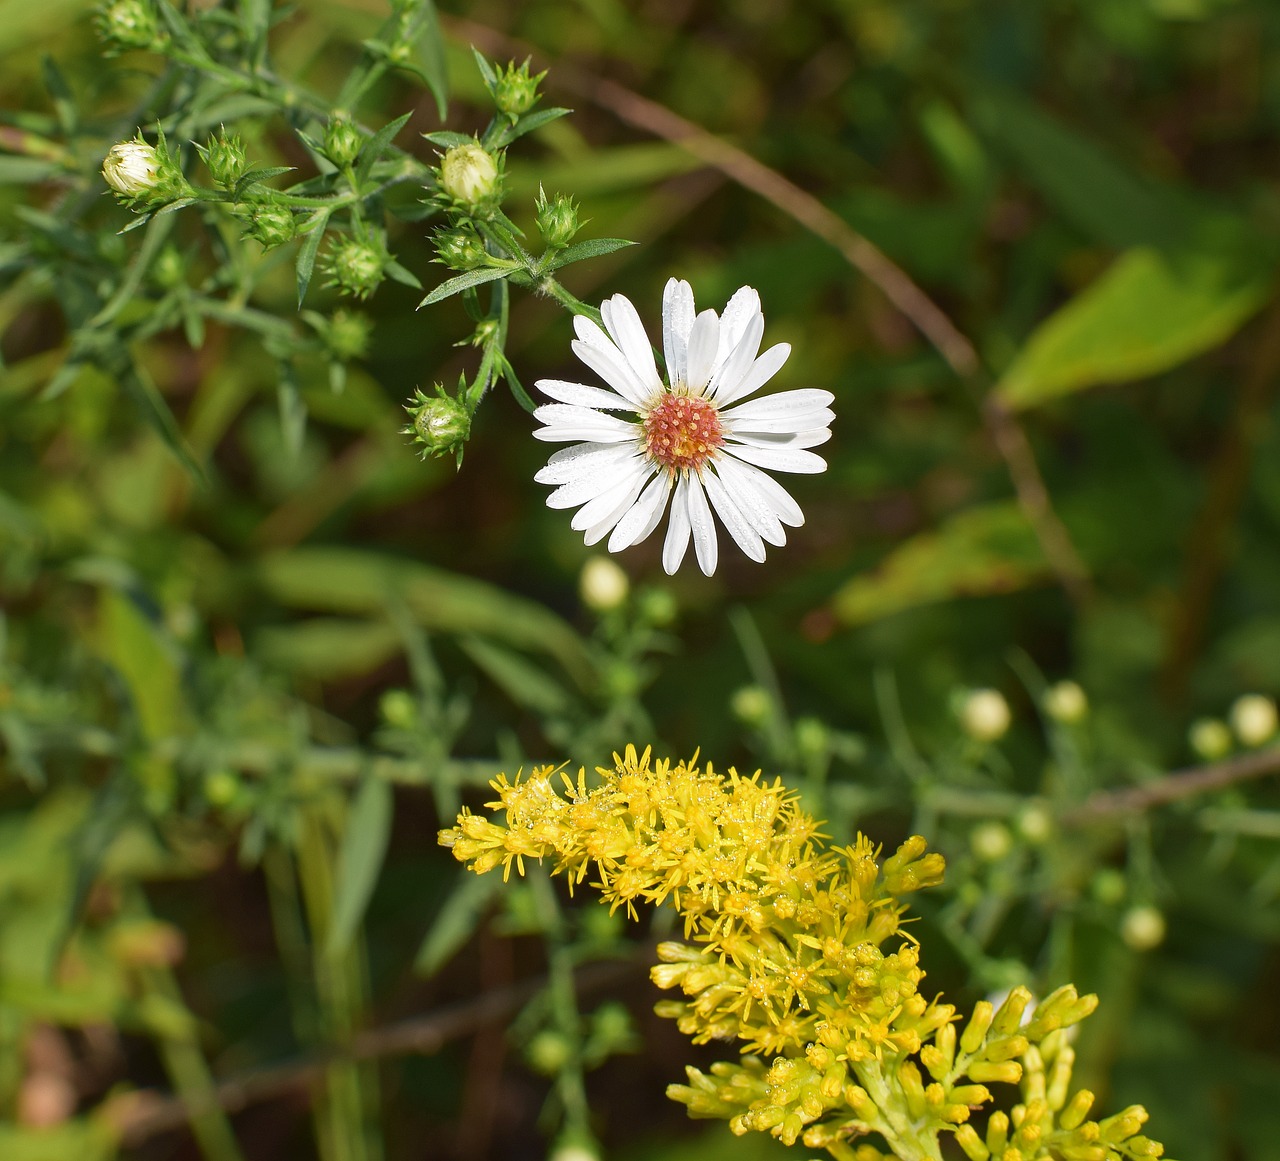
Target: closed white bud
{"points": [[1143, 928], [603, 584], [984, 715], [131, 168], [1066, 702], [468, 173], [1253, 717]]}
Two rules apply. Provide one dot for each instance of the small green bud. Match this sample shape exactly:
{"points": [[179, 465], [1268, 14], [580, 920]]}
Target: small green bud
{"points": [[126, 24], [515, 91], [342, 142], [990, 841], [548, 1052], [272, 225], [460, 249], [603, 584], [1253, 717], [441, 424], [1109, 886], [813, 739], [221, 787], [225, 159], [132, 169], [1066, 702], [557, 220], [357, 263], [1209, 739], [346, 335], [1035, 823], [469, 174], [398, 708], [657, 607], [170, 269], [750, 705]]}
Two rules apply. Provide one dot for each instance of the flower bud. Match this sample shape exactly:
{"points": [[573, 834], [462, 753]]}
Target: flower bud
{"points": [[1210, 739], [557, 220], [460, 249], [441, 424], [469, 174], [125, 24], [346, 335], [984, 715], [132, 168], [357, 264], [342, 142], [398, 709], [1066, 702], [268, 224], [1143, 928], [657, 607], [548, 1052], [750, 705], [990, 841], [515, 92], [1035, 823], [225, 159], [603, 584], [1253, 717]]}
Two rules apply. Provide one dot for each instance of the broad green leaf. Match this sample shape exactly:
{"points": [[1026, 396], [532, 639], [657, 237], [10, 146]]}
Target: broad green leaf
{"points": [[1147, 313], [981, 551], [137, 651], [364, 846], [458, 918], [431, 58], [354, 583], [85, 1139], [592, 248], [327, 648]]}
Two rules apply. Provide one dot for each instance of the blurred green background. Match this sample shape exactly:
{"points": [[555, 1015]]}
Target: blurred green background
{"points": [[235, 709]]}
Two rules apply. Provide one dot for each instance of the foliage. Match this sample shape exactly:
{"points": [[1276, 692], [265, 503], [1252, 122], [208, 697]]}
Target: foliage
{"points": [[253, 649]]}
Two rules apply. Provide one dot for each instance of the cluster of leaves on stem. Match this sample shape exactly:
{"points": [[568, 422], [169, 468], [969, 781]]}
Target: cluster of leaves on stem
{"points": [[797, 950]]}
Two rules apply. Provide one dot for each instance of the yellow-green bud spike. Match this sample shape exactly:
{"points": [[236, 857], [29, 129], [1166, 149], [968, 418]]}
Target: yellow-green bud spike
{"points": [[979, 1025], [968, 1140]]}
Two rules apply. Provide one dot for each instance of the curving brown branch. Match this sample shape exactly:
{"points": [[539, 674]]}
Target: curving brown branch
{"points": [[1173, 787]]}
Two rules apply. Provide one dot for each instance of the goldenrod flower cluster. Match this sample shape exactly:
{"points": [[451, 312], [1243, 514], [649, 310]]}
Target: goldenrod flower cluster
{"points": [[797, 950]]}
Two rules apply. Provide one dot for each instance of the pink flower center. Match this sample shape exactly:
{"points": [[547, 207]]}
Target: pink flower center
{"points": [[683, 432]]}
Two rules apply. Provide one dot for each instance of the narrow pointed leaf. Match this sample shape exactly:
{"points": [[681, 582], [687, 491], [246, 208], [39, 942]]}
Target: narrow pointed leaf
{"points": [[376, 146], [463, 282], [364, 847]]}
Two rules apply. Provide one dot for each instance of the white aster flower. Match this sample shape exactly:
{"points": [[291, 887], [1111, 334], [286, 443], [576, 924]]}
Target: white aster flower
{"points": [[691, 440]]}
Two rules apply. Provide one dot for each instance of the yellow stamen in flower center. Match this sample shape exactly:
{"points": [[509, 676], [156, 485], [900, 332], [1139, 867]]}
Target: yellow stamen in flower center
{"points": [[682, 432]]}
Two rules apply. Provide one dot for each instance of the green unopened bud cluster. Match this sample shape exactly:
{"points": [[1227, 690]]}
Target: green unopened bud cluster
{"points": [[513, 90], [224, 156], [439, 423], [342, 142], [128, 24], [557, 219], [357, 263]]}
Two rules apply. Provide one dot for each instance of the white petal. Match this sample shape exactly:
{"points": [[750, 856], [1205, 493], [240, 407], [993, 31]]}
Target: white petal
{"points": [[565, 423], [740, 311], [704, 528], [738, 526], [589, 485], [704, 343], [786, 425], [739, 481], [627, 331], [757, 375], [598, 530], [582, 395], [783, 403], [811, 438], [779, 459], [614, 501], [569, 463], [673, 548], [746, 481], [730, 370], [677, 320], [606, 361], [644, 515]]}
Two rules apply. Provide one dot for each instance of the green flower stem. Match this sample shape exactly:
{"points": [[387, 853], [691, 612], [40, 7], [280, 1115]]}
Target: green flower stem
{"points": [[574, 305], [190, 1076], [909, 1141], [570, 1083]]}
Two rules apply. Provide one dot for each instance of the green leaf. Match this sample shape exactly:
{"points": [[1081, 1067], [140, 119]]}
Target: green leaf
{"points": [[86, 1139], [1092, 189], [150, 403], [64, 101], [26, 170], [464, 282], [353, 583], [402, 275], [431, 55], [138, 650], [328, 648], [592, 248], [978, 552], [307, 252], [527, 124], [376, 146], [293, 411], [458, 918], [525, 683], [364, 846], [1147, 313], [447, 138]]}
